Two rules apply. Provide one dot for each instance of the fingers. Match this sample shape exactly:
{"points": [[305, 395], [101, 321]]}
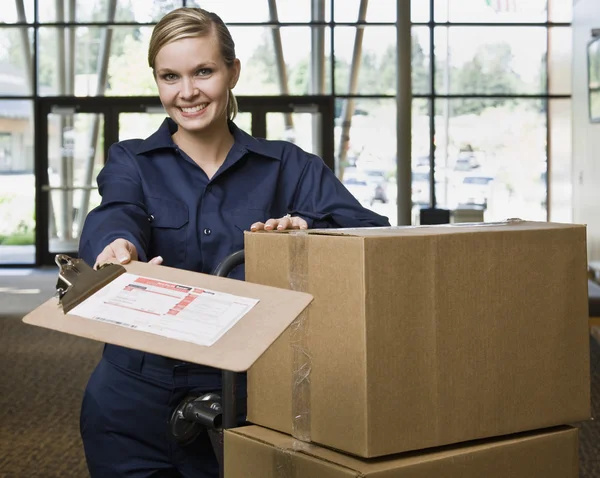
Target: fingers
{"points": [[158, 260], [120, 250], [281, 224]]}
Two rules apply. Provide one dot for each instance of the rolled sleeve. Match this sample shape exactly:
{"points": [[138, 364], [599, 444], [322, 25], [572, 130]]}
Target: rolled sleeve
{"points": [[122, 212], [323, 201]]}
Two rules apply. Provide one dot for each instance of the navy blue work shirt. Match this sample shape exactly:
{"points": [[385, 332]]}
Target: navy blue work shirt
{"points": [[155, 196]]}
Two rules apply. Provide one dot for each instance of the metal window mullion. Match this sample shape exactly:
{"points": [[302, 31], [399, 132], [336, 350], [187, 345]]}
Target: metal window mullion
{"points": [[432, 69], [317, 68], [280, 59], [403, 112], [548, 126]]}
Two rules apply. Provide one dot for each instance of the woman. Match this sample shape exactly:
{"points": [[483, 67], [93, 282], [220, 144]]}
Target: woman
{"points": [[183, 197]]}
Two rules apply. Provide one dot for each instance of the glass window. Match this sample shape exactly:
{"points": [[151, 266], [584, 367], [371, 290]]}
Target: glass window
{"points": [[420, 133], [560, 55], [75, 157], [141, 11], [560, 11], [15, 61], [419, 11], [377, 69], [421, 68], [11, 14], [257, 11], [260, 71], [298, 128], [346, 11], [17, 183], [490, 60], [369, 154], [128, 70], [490, 11], [495, 155], [561, 160]]}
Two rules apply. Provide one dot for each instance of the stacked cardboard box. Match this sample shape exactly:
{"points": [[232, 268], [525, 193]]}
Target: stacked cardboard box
{"points": [[256, 452], [421, 337]]}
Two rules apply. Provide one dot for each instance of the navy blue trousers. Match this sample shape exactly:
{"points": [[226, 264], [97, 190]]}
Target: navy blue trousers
{"points": [[125, 416]]}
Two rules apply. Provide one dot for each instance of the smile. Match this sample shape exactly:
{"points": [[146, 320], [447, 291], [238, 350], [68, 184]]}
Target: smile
{"points": [[194, 109]]}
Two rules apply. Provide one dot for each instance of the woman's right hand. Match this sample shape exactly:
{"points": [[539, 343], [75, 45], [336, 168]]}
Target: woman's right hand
{"points": [[121, 251]]}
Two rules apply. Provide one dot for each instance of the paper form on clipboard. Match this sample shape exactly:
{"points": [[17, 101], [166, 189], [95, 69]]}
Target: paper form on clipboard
{"points": [[169, 309]]}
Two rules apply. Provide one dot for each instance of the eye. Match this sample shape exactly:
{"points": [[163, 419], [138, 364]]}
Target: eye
{"points": [[169, 77], [204, 72]]}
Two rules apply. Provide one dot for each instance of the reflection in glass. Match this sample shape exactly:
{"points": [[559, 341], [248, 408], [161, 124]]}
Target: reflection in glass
{"points": [[495, 157], [17, 183], [128, 71], [491, 11], [376, 73], [15, 61], [262, 73], [490, 60], [75, 157]]}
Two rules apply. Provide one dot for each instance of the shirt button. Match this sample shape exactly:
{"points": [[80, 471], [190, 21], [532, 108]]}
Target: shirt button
{"points": [[207, 232], [150, 218]]}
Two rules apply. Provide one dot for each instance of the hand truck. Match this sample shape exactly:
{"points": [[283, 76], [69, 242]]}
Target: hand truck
{"points": [[210, 411]]}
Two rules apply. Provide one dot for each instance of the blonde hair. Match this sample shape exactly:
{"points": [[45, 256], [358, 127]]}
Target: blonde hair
{"points": [[189, 22]]}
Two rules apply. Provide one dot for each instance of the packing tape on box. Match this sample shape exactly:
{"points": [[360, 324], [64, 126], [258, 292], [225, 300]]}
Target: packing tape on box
{"points": [[285, 466], [301, 359]]}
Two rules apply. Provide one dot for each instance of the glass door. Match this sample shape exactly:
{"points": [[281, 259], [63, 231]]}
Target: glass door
{"points": [[74, 134]]}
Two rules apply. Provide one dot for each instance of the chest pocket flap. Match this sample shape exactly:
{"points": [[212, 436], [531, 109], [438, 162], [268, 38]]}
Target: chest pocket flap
{"points": [[167, 213]]}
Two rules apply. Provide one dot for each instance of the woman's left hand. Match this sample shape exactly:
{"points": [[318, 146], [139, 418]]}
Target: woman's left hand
{"points": [[281, 224]]}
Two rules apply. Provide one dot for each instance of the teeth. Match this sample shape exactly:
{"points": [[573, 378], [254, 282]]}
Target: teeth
{"points": [[195, 108]]}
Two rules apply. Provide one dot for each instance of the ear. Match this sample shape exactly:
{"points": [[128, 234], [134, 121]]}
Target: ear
{"points": [[235, 69]]}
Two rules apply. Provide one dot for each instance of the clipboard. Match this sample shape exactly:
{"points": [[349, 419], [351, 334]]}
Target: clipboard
{"points": [[235, 351]]}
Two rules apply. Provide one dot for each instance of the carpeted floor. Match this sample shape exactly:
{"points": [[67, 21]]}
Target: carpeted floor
{"points": [[42, 378], [43, 375], [589, 435]]}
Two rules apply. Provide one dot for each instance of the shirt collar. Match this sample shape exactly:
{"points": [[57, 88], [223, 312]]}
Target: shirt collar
{"points": [[161, 139]]}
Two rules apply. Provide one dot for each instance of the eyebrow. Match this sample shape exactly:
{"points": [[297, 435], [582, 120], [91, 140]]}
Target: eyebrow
{"points": [[197, 67]]}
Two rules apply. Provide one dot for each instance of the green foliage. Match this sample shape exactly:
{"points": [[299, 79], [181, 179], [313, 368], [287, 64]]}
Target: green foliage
{"points": [[24, 235]]}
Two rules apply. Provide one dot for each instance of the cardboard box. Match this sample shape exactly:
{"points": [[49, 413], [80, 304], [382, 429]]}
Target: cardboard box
{"points": [[255, 452], [424, 336]]}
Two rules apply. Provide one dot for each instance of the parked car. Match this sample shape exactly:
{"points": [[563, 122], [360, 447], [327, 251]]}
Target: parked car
{"points": [[359, 188], [475, 191], [420, 186]]}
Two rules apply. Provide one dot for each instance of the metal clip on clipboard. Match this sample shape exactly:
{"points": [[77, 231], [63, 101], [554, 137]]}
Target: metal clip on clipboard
{"points": [[77, 281]]}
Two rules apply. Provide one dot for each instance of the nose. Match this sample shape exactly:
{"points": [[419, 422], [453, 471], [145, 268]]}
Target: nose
{"points": [[188, 89]]}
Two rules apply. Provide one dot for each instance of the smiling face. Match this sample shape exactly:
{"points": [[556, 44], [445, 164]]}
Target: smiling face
{"points": [[194, 82]]}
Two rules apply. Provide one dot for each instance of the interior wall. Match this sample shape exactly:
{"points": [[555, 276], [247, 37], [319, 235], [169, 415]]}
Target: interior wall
{"points": [[586, 135]]}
